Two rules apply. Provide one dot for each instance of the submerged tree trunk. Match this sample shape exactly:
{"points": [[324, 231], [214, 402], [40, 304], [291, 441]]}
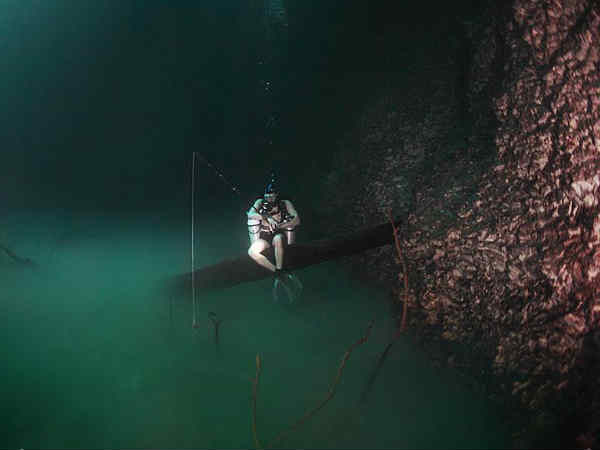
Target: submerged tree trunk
{"points": [[243, 269]]}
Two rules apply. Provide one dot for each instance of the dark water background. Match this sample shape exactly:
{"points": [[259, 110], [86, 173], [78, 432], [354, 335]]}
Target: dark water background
{"points": [[103, 104]]}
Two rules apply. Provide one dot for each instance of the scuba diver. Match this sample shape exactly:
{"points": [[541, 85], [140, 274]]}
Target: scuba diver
{"points": [[272, 222]]}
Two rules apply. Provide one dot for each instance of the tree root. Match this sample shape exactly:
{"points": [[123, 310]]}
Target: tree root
{"points": [[401, 322], [330, 393], [402, 260]]}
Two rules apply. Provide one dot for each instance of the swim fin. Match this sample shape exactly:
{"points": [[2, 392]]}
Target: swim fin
{"points": [[295, 284], [286, 287]]}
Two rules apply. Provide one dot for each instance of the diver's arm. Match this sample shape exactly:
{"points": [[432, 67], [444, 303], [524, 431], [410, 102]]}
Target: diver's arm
{"points": [[294, 221], [253, 213], [254, 220]]}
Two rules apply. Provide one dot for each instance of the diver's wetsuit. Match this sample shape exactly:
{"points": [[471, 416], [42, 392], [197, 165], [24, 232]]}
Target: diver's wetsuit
{"points": [[268, 224]]}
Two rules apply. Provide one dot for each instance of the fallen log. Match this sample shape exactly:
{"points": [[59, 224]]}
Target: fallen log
{"points": [[243, 269]]}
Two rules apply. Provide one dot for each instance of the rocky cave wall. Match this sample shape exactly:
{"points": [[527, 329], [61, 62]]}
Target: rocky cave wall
{"points": [[546, 193], [502, 234]]}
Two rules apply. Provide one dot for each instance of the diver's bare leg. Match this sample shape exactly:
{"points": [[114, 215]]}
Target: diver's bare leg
{"points": [[255, 253], [278, 244]]}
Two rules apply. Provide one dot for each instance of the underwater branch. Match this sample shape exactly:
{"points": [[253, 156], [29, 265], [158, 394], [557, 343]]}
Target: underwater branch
{"points": [[330, 393], [401, 323]]}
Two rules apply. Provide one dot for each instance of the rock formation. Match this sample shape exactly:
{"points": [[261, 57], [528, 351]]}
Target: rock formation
{"points": [[503, 235]]}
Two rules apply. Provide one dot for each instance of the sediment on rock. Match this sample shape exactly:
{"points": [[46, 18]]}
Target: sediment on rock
{"points": [[503, 236]]}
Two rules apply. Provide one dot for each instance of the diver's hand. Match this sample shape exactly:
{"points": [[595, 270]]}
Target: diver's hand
{"points": [[273, 225]]}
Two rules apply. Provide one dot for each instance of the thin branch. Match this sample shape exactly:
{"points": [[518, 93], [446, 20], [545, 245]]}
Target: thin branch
{"points": [[405, 272], [322, 403], [401, 325], [375, 372]]}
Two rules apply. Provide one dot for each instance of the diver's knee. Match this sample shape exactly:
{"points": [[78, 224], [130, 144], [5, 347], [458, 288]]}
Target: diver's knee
{"points": [[257, 248], [254, 249]]}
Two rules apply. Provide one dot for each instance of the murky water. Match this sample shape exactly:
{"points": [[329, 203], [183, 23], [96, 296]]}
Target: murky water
{"points": [[95, 357]]}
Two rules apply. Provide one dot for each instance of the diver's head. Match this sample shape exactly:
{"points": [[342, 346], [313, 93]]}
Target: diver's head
{"points": [[271, 194]]}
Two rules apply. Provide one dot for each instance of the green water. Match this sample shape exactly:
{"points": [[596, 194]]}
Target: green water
{"points": [[94, 357]]}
